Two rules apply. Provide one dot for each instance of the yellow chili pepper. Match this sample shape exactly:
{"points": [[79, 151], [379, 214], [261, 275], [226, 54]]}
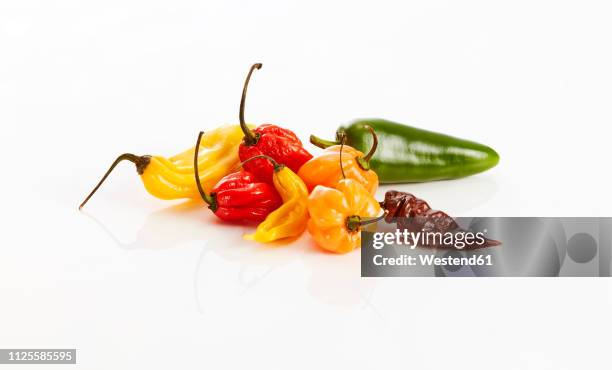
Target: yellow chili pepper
{"points": [[290, 219], [174, 177], [338, 162], [336, 215]]}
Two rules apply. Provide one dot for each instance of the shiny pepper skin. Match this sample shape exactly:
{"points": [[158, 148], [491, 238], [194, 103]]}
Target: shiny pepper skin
{"points": [[174, 177], [217, 157], [240, 197], [335, 215], [280, 144], [290, 219], [411, 154], [325, 169]]}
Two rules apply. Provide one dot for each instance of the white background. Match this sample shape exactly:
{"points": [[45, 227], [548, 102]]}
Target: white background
{"points": [[134, 282]]}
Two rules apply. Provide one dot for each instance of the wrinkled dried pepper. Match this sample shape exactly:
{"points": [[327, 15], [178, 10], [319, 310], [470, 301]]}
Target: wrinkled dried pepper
{"points": [[415, 215]]}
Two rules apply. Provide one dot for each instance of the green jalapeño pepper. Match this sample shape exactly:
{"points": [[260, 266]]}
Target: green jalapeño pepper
{"points": [[410, 154]]}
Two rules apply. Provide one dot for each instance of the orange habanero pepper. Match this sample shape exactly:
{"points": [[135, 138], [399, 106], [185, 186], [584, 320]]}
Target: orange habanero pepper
{"points": [[327, 168], [336, 215]]}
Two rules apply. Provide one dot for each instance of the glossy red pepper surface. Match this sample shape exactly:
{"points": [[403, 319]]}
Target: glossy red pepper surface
{"points": [[276, 142], [240, 197]]}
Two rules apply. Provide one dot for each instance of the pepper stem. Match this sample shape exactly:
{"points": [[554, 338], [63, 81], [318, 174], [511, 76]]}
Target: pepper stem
{"points": [[210, 199], [141, 163], [277, 166], [250, 138], [354, 223], [340, 155], [364, 162], [321, 143]]}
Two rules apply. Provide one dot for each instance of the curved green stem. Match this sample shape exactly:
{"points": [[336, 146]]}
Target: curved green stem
{"points": [[277, 166], [141, 163], [340, 155], [364, 162], [354, 223], [321, 143], [374, 220], [210, 199], [250, 138]]}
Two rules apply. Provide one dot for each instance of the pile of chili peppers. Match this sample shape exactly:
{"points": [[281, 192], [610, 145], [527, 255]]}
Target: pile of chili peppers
{"points": [[264, 175]]}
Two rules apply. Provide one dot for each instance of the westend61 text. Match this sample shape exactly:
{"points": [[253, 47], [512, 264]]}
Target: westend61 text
{"points": [[432, 260]]}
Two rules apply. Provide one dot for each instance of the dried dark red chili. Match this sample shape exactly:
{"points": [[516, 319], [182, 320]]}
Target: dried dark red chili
{"points": [[414, 214]]}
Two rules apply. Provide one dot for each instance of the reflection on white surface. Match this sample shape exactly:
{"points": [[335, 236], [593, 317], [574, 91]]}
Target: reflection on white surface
{"points": [[168, 228], [333, 279]]}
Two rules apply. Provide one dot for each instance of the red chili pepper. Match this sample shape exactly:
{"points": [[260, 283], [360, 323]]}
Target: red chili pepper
{"points": [[238, 196], [279, 143]]}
